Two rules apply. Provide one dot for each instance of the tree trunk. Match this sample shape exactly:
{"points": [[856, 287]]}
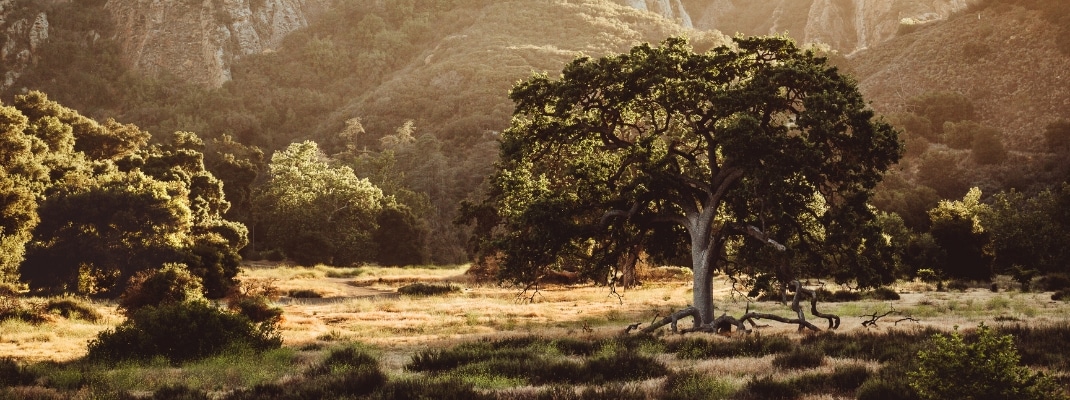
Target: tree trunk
{"points": [[702, 272]]}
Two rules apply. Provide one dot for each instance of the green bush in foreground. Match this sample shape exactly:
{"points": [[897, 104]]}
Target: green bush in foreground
{"points": [[181, 332], [988, 368]]}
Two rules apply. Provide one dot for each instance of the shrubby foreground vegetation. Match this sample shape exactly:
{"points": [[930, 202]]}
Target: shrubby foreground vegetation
{"points": [[559, 359]]}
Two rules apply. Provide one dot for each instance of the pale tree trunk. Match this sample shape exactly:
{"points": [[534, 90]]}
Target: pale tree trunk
{"points": [[702, 295]]}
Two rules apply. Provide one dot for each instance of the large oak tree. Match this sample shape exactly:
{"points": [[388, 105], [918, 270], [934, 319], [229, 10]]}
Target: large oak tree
{"points": [[756, 158]]}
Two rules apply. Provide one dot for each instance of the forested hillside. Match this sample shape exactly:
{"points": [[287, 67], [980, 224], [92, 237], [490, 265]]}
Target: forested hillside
{"points": [[433, 73], [411, 95]]}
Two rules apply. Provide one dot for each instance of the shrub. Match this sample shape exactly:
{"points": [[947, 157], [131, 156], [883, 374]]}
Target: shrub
{"points": [[1055, 282], [949, 367], [178, 392], [693, 386], [304, 294], [800, 358], [171, 284], [883, 293], [275, 255], [256, 309], [344, 359], [426, 289], [624, 366], [842, 380], [885, 389], [13, 308], [69, 307], [13, 374], [769, 389], [838, 296], [181, 332], [424, 388], [749, 346]]}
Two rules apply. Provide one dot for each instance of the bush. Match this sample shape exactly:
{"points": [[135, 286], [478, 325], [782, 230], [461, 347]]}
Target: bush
{"points": [[423, 388], [841, 380], [693, 386], [885, 389], [768, 389], [1055, 282], [256, 309], [171, 284], [178, 392], [13, 308], [304, 294], [800, 358], [1062, 295], [275, 255], [883, 293], [72, 308], [426, 289], [949, 367], [181, 332], [13, 374], [749, 346]]}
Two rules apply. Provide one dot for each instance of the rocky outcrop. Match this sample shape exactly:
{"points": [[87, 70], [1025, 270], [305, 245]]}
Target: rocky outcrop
{"points": [[199, 40], [845, 25], [672, 9], [20, 38]]}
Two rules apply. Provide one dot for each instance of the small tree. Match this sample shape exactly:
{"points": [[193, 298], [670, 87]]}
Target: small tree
{"points": [[957, 229], [315, 211], [988, 368]]}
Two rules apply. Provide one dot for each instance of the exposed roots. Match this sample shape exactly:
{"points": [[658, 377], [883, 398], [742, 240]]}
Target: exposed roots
{"points": [[724, 323]]}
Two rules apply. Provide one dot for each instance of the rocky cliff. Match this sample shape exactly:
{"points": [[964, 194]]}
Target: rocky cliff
{"points": [[22, 31], [198, 40], [845, 25]]}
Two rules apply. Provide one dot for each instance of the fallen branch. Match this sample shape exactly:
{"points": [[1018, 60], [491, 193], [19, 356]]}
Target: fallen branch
{"points": [[874, 317]]}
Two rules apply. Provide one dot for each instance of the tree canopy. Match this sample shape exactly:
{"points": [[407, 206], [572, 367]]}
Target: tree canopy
{"points": [[88, 205], [756, 157]]}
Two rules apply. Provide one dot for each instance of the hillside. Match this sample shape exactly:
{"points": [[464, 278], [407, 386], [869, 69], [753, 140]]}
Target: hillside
{"points": [[1003, 56], [845, 25]]}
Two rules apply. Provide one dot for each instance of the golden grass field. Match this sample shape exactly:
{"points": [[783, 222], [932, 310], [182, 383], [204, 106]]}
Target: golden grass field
{"points": [[362, 305]]}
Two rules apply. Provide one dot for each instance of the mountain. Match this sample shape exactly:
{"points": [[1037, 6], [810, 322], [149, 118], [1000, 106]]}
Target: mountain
{"points": [[1005, 56], [23, 30], [845, 25], [198, 41]]}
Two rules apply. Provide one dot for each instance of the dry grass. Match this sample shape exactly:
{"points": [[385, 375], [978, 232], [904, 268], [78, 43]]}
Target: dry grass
{"points": [[361, 305]]}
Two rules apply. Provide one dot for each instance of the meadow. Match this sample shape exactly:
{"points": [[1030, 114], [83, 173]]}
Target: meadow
{"points": [[353, 332]]}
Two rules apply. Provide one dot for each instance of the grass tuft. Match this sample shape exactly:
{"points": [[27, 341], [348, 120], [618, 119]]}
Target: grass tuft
{"points": [[800, 358]]}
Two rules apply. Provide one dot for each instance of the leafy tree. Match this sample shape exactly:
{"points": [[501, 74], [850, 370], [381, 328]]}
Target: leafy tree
{"points": [[317, 212], [109, 205], [943, 107], [940, 170], [1029, 233], [988, 148], [24, 172], [957, 229], [214, 243], [92, 238], [688, 154], [400, 239]]}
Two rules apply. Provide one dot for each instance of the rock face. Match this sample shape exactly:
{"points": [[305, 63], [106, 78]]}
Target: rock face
{"points": [[845, 25], [20, 37], [199, 40], [672, 9]]}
